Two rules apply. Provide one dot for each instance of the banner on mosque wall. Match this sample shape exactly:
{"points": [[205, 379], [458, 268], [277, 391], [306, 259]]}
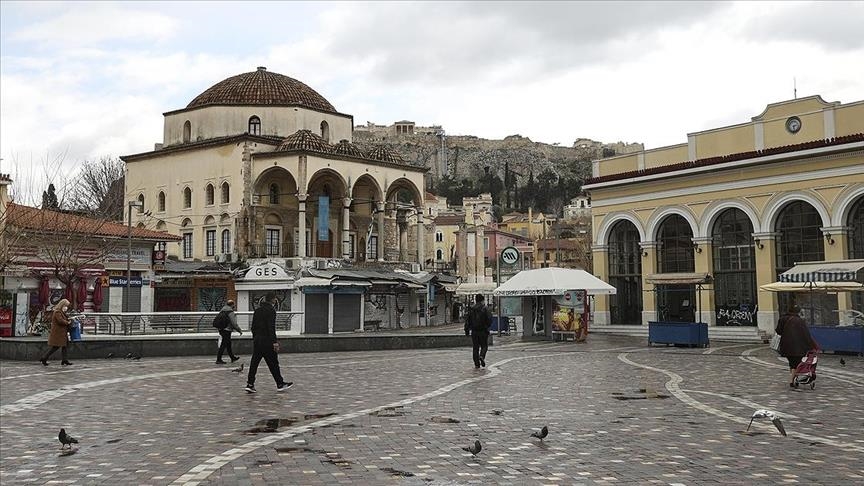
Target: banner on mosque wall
{"points": [[323, 218]]}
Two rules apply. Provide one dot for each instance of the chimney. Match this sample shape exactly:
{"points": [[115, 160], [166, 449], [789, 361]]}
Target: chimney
{"points": [[262, 68]]}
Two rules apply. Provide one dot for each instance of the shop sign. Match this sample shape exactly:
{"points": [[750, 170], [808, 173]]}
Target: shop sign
{"points": [[138, 256], [121, 282], [158, 257], [266, 271]]}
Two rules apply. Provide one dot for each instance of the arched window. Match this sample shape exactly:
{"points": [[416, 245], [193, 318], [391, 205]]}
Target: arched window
{"points": [[439, 254], [274, 193], [799, 239], [161, 201], [187, 131], [254, 125], [140, 203], [226, 241], [439, 236], [734, 269], [208, 195], [325, 131], [226, 193], [625, 274], [675, 302], [187, 198]]}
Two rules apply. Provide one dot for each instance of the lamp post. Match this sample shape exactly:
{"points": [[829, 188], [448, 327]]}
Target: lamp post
{"points": [[132, 204]]}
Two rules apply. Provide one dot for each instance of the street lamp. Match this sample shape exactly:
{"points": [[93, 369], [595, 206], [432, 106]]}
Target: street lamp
{"points": [[132, 204]]}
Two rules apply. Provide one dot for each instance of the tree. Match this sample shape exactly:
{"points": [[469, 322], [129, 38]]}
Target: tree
{"points": [[99, 190], [49, 198]]}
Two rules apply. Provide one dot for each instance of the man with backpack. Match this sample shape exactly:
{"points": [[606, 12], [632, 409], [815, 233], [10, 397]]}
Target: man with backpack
{"points": [[226, 323], [477, 323]]}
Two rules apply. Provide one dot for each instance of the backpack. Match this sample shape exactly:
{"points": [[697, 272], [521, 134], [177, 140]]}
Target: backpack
{"points": [[221, 321]]}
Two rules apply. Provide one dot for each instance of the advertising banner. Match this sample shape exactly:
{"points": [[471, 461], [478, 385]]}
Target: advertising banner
{"points": [[511, 306], [569, 311], [323, 218]]}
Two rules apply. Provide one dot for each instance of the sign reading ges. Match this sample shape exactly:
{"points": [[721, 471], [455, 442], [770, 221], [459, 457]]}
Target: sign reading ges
{"points": [[266, 271], [509, 255]]}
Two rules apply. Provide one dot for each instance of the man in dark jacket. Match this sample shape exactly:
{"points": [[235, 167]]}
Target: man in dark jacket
{"points": [[477, 323], [225, 333], [265, 345], [795, 339]]}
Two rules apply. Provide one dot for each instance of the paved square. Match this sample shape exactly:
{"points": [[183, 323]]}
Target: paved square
{"points": [[618, 412]]}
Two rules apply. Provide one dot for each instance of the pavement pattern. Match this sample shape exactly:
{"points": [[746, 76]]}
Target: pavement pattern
{"points": [[618, 412]]}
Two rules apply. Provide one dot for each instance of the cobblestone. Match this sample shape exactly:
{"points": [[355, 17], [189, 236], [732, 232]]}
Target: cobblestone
{"points": [[618, 412]]}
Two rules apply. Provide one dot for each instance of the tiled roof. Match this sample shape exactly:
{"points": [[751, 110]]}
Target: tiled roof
{"points": [[785, 149], [261, 87], [305, 140], [381, 152], [36, 219], [344, 147], [185, 147], [552, 244], [449, 219]]}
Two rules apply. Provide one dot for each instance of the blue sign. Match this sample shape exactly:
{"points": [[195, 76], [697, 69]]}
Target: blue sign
{"points": [[323, 218], [121, 282]]}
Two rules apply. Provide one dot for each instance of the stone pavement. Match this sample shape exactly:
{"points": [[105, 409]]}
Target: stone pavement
{"points": [[618, 412]]}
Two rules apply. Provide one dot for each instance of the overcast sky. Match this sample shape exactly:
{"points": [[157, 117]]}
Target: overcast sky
{"points": [[92, 79]]}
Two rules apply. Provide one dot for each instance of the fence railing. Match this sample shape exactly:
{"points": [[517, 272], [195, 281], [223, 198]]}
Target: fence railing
{"points": [[126, 323]]}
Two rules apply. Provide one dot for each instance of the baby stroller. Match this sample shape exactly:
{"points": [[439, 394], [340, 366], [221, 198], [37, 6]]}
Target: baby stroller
{"points": [[805, 372]]}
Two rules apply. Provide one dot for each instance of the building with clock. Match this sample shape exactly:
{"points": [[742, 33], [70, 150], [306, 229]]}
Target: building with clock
{"points": [[690, 232]]}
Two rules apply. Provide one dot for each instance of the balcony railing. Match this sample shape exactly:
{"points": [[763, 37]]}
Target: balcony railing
{"points": [[258, 250]]}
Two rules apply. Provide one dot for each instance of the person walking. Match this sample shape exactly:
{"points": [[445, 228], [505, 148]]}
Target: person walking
{"points": [[265, 344], [227, 324], [795, 340], [477, 324], [58, 337]]}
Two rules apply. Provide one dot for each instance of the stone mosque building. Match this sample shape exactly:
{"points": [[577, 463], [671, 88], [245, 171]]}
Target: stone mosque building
{"points": [[260, 165]]}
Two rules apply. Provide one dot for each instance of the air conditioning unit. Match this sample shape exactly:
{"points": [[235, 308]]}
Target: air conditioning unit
{"points": [[220, 258], [321, 264], [415, 268]]}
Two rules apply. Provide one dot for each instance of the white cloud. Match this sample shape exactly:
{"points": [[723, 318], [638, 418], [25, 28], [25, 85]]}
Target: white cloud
{"points": [[96, 25]]}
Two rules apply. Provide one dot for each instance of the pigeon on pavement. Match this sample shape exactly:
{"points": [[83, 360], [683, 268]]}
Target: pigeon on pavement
{"points": [[842, 362], [770, 416], [541, 434], [475, 449], [497, 411], [110, 355], [238, 369], [66, 439], [136, 357], [128, 356]]}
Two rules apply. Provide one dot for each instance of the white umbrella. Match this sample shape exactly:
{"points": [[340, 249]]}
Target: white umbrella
{"points": [[553, 281]]}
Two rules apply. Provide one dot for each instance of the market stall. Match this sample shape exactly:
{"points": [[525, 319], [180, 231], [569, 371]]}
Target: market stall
{"points": [[556, 301], [811, 280]]}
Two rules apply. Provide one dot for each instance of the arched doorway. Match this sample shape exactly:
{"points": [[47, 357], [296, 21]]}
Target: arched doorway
{"points": [[799, 239], [856, 244], [734, 269], [404, 204], [625, 274], [675, 302], [327, 192]]}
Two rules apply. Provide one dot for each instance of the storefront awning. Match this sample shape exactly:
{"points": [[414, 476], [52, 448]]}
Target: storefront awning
{"points": [[475, 288], [312, 282], [678, 278], [813, 287], [826, 271]]}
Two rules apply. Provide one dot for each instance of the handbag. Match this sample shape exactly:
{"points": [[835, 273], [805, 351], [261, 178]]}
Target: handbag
{"points": [[775, 342]]}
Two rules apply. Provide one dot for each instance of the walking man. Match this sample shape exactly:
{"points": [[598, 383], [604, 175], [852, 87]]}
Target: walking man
{"points": [[477, 323], [265, 345], [227, 321]]}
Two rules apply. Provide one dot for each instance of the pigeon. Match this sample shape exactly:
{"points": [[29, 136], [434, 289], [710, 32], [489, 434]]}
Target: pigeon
{"points": [[842, 362], [238, 369], [136, 357], [128, 356], [541, 434], [110, 355], [497, 412], [475, 449], [66, 439], [769, 415]]}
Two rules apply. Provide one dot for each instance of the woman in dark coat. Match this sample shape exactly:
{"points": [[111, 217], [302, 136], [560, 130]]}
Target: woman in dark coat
{"points": [[58, 338], [795, 340]]}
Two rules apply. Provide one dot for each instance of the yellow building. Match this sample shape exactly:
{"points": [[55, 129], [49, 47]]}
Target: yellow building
{"points": [[690, 231], [261, 165]]}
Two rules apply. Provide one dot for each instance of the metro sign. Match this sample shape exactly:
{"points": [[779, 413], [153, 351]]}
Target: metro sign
{"points": [[509, 255]]}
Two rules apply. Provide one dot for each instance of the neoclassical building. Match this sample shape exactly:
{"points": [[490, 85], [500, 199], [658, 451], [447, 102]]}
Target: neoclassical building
{"points": [[261, 165], [692, 231]]}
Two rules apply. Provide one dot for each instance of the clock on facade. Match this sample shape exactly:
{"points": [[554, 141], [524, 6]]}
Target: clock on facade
{"points": [[793, 124]]}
